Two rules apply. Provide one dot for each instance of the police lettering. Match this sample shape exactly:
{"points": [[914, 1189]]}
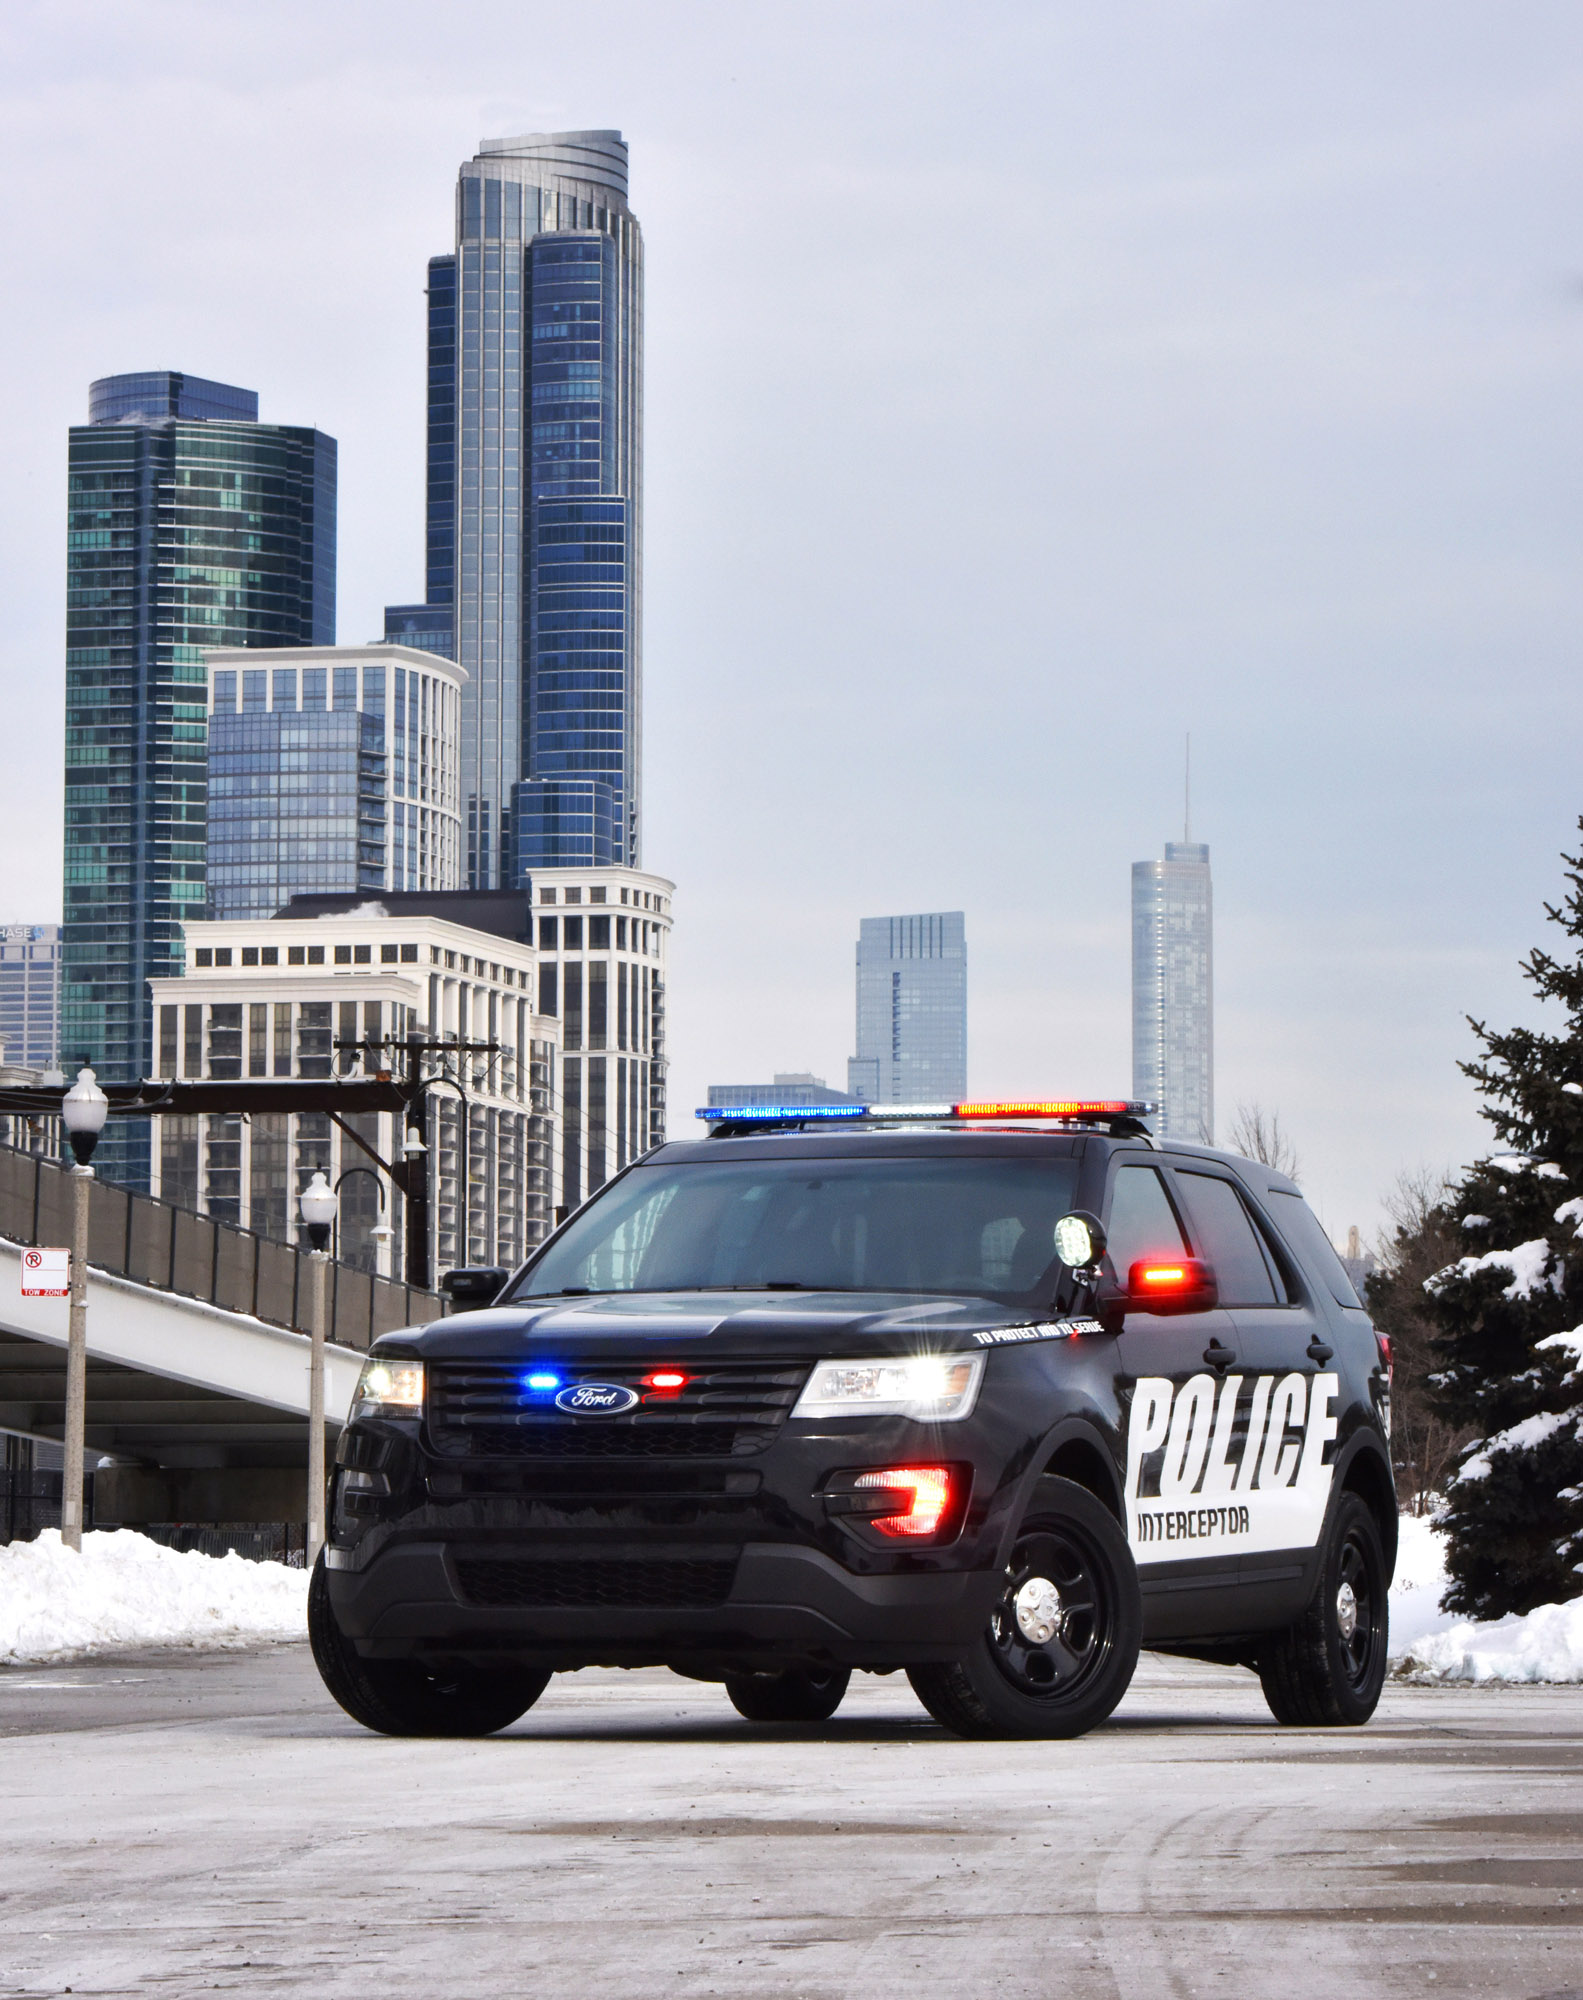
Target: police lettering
{"points": [[1191, 1524]]}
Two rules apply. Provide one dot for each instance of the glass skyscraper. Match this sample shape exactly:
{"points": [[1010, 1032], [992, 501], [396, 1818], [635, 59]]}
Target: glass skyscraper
{"points": [[332, 771], [191, 525], [534, 512], [29, 995], [1173, 1023], [911, 1010]]}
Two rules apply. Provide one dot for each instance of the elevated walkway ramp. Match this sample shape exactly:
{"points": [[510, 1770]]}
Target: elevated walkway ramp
{"points": [[202, 1400]]}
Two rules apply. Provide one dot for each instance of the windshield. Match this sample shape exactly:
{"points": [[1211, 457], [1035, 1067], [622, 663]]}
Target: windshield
{"points": [[970, 1226]]}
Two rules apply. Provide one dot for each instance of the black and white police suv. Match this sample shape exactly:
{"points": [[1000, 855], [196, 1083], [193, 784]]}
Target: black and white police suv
{"points": [[991, 1393]]}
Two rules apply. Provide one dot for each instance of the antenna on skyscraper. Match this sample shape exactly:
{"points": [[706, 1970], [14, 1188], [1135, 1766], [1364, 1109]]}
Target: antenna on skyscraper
{"points": [[1187, 792]]}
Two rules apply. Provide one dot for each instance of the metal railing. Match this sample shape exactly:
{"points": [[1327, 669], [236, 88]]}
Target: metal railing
{"points": [[200, 1257]]}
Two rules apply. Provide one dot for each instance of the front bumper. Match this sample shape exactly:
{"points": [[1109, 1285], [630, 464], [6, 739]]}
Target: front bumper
{"points": [[786, 1604]]}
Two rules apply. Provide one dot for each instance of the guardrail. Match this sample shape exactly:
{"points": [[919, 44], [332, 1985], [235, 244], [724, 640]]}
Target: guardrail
{"points": [[199, 1257]]}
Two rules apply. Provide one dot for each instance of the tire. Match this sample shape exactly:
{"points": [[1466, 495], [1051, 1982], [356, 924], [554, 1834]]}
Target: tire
{"points": [[800, 1695], [404, 1698], [1063, 1641], [1326, 1671]]}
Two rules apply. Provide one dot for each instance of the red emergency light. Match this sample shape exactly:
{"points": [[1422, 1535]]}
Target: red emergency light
{"points": [[1053, 1107], [927, 1491]]}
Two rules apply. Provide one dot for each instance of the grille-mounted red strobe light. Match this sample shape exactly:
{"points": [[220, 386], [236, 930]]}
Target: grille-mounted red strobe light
{"points": [[666, 1381], [928, 1497]]}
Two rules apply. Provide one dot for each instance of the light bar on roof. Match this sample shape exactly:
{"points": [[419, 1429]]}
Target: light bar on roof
{"points": [[1021, 1107], [740, 1114]]}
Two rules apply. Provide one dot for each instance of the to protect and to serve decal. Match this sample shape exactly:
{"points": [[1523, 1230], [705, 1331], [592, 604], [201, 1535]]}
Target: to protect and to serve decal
{"points": [[1228, 1467]]}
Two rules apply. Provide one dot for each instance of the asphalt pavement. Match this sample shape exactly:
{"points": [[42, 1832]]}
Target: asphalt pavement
{"points": [[202, 1823]]}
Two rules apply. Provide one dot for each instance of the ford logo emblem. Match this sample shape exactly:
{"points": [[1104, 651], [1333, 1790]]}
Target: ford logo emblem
{"points": [[596, 1399]]}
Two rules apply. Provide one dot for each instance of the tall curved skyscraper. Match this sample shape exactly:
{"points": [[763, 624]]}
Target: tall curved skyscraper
{"points": [[535, 501]]}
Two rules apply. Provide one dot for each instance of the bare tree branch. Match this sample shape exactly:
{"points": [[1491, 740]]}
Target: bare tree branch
{"points": [[1259, 1135]]}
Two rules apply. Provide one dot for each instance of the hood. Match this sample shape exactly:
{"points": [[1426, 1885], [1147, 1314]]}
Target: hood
{"points": [[800, 1325]]}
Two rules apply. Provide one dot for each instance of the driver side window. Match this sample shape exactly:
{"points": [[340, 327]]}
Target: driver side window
{"points": [[1142, 1221]]}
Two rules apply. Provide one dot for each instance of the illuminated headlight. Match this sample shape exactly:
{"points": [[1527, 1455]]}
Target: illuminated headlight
{"points": [[931, 1388], [389, 1389]]}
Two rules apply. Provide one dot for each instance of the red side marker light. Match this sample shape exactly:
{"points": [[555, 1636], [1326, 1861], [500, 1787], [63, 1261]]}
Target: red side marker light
{"points": [[925, 1493], [1162, 1277]]}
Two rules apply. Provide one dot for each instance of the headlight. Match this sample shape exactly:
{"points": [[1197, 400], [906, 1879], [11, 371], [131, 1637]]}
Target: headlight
{"points": [[931, 1388], [389, 1389]]}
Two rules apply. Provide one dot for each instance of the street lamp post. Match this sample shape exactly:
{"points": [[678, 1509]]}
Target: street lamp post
{"points": [[83, 1111], [318, 1213]]}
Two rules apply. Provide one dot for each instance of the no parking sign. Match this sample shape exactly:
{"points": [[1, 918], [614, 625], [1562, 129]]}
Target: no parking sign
{"points": [[46, 1274]]}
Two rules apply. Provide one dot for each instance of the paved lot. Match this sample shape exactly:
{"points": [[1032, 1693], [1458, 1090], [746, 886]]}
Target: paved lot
{"points": [[175, 1826]]}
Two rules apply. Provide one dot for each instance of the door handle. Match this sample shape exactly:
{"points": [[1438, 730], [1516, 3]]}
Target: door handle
{"points": [[1317, 1351], [1218, 1356]]}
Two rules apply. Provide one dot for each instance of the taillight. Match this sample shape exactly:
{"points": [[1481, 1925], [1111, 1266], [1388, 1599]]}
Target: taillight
{"points": [[924, 1493], [1383, 1342]]}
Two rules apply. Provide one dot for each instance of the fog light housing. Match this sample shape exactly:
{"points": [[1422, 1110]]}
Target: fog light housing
{"points": [[901, 1502]]}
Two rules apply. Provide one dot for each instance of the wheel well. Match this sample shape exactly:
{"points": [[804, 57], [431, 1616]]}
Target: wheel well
{"points": [[1086, 1465], [1368, 1477]]}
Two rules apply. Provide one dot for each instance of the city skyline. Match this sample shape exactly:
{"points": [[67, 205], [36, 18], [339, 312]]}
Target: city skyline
{"points": [[1288, 465]]}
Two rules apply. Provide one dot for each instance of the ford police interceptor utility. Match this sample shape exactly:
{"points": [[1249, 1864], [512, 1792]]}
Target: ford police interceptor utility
{"points": [[993, 1394]]}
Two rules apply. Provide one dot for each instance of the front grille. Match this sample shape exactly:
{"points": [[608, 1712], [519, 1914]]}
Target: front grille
{"points": [[479, 1409], [492, 1581], [592, 1440]]}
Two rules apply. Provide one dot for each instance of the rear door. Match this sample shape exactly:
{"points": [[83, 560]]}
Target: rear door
{"points": [[1170, 1368], [1280, 1428]]}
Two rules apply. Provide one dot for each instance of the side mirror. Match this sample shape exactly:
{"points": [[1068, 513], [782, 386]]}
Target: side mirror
{"points": [[1171, 1285], [1080, 1240], [473, 1285]]}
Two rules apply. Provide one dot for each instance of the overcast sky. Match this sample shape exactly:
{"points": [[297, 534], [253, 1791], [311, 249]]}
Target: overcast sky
{"points": [[1026, 385]]}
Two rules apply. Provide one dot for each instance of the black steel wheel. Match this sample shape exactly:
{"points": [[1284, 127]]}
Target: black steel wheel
{"points": [[405, 1698], [798, 1695], [1062, 1642], [1327, 1670]]}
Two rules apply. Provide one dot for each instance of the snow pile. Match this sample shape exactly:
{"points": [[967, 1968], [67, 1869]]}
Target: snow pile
{"points": [[124, 1590], [1434, 1645]]}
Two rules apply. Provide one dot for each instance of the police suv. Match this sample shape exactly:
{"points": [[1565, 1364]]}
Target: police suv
{"points": [[993, 1394]]}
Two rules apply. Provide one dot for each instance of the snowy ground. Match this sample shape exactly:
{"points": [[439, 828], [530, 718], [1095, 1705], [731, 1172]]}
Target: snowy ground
{"points": [[1430, 1644], [125, 1591]]}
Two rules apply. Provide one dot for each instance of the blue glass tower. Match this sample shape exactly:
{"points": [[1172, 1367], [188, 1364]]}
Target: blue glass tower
{"points": [[191, 525], [534, 501]]}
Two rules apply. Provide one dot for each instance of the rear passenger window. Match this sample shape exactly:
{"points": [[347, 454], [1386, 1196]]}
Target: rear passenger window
{"points": [[1142, 1221], [1226, 1238], [1300, 1226]]}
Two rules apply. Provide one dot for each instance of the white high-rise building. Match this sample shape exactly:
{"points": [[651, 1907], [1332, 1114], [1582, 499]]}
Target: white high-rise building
{"points": [[1173, 1021]]}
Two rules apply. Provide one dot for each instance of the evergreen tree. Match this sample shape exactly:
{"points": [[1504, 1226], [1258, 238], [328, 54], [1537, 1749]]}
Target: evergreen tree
{"points": [[1508, 1313]]}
